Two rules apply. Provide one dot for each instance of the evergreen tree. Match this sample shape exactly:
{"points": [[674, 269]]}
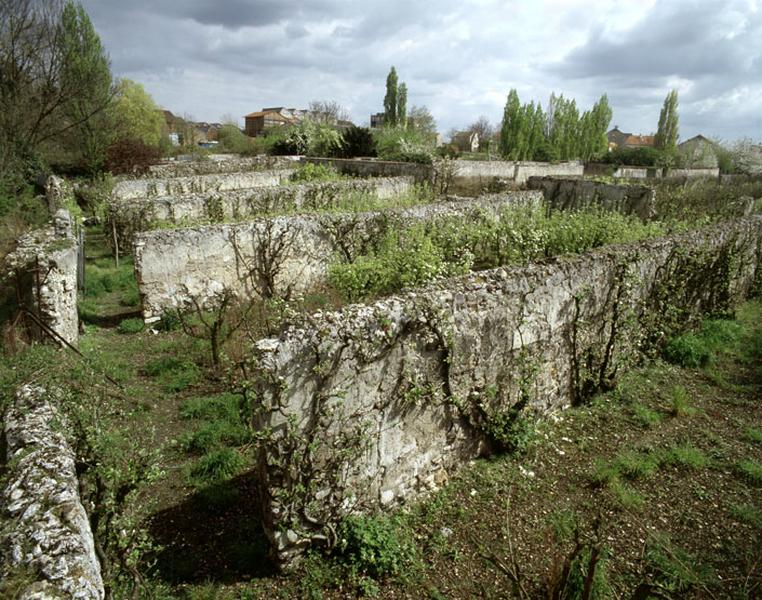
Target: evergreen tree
{"points": [[390, 100], [668, 130], [402, 105]]}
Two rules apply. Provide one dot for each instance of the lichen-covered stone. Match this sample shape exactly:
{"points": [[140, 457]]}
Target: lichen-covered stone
{"points": [[49, 532]]}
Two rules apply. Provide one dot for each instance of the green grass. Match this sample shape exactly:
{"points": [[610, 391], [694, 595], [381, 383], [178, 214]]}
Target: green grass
{"points": [[675, 570], [220, 406], [686, 456], [645, 416], [131, 326], [753, 434], [211, 435], [748, 513], [680, 404], [751, 470], [214, 467], [174, 374]]}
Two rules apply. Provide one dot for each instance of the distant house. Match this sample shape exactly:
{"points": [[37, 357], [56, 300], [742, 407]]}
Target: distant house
{"points": [[257, 122], [377, 120], [619, 139], [466, 141], [698, 153]]}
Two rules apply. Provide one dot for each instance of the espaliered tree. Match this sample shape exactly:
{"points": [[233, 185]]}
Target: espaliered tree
{"points": [[529, 133]]}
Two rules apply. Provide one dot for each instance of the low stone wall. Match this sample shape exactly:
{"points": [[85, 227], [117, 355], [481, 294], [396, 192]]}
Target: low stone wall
{"points": [[276, 255], [693, 173], [578, 194], [221, 163], [127, 217], [48, 533], [44, 267], [366, 167], [129, 189], [525, 170], [365, 408]]}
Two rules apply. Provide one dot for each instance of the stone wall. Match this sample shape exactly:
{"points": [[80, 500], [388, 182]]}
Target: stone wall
{"points": [[44, 267], [127, 217], [518, 171], [141, 188], [48, 533], [221, 163], [365, 167], [709, 173], [365, 408], [282, 255], [578, 194]]}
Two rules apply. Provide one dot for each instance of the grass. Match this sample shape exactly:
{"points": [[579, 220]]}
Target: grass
{"points": [[680, 405], [646, 417], [748, 513], [751, 470], [215, 466]]}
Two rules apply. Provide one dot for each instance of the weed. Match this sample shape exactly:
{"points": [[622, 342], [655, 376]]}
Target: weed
{"points": [[627, 497], [644, 416], [376, 546], [753, 435], [751, 470], [220, 406], [563, 523], [748, 513], [674, 570], [680, 404], [213, 435], [174, 374], [636, 465], [685, 456], [131, 326], [215, 466], [687, 350]]}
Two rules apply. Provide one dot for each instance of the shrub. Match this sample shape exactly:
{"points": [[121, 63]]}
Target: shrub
{"points": [[403, 145], [636, 157], [130, 157], [375, 546], [687, 350], [357, 141], [131, 326], [215, 466], [309, 172]]}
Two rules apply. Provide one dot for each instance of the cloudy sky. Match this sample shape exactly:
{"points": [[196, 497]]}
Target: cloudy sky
{"points": [[458, 57]]}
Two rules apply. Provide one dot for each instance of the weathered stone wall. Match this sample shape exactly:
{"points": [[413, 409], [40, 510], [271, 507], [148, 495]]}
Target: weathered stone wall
{"points": [[364, 167], [141, 188], [708, 173], [127, 217], [367, 407], [578, 194], [282, 255], [221, 163], [44, 266], [525, 170], [48, 531]]}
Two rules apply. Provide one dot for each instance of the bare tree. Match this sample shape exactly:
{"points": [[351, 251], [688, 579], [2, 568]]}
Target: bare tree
{"points": [[328, 111]]}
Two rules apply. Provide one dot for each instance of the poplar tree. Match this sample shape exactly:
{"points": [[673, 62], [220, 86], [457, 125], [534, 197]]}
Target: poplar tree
{"points": [[402, 105], [668, 130], [510, 129], [390, 100]]}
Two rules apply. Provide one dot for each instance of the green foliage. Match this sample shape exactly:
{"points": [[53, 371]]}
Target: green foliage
{"points": [[376, 546], [680, 404], [218, 407], [685, 455], [137, 117], [634, 157], [645, 416], [357, 141], [231, 139], [174, 373], [754, 434], [751, 470], [668, 129], [216, 465], [579, 572], [687, 350], [674, 570], [131, 326], [308, 137], [222, 423], [406, 145], [416, 254], [391, 116], [310, 172], [748, 513], [510, 431]]}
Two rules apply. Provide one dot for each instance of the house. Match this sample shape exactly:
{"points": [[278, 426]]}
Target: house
{"points": [[619, 139], [466, 141], [698, 153], [257, 122], [377, 120]]}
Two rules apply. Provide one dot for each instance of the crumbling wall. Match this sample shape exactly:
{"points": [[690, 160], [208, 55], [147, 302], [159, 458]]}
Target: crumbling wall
{"points": [[44, 269], [48, 538], [367, 407], [365, 167], [278, 256], [221, 163], [127, 217], [706, 173], [129, 189], [579, 194]]}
